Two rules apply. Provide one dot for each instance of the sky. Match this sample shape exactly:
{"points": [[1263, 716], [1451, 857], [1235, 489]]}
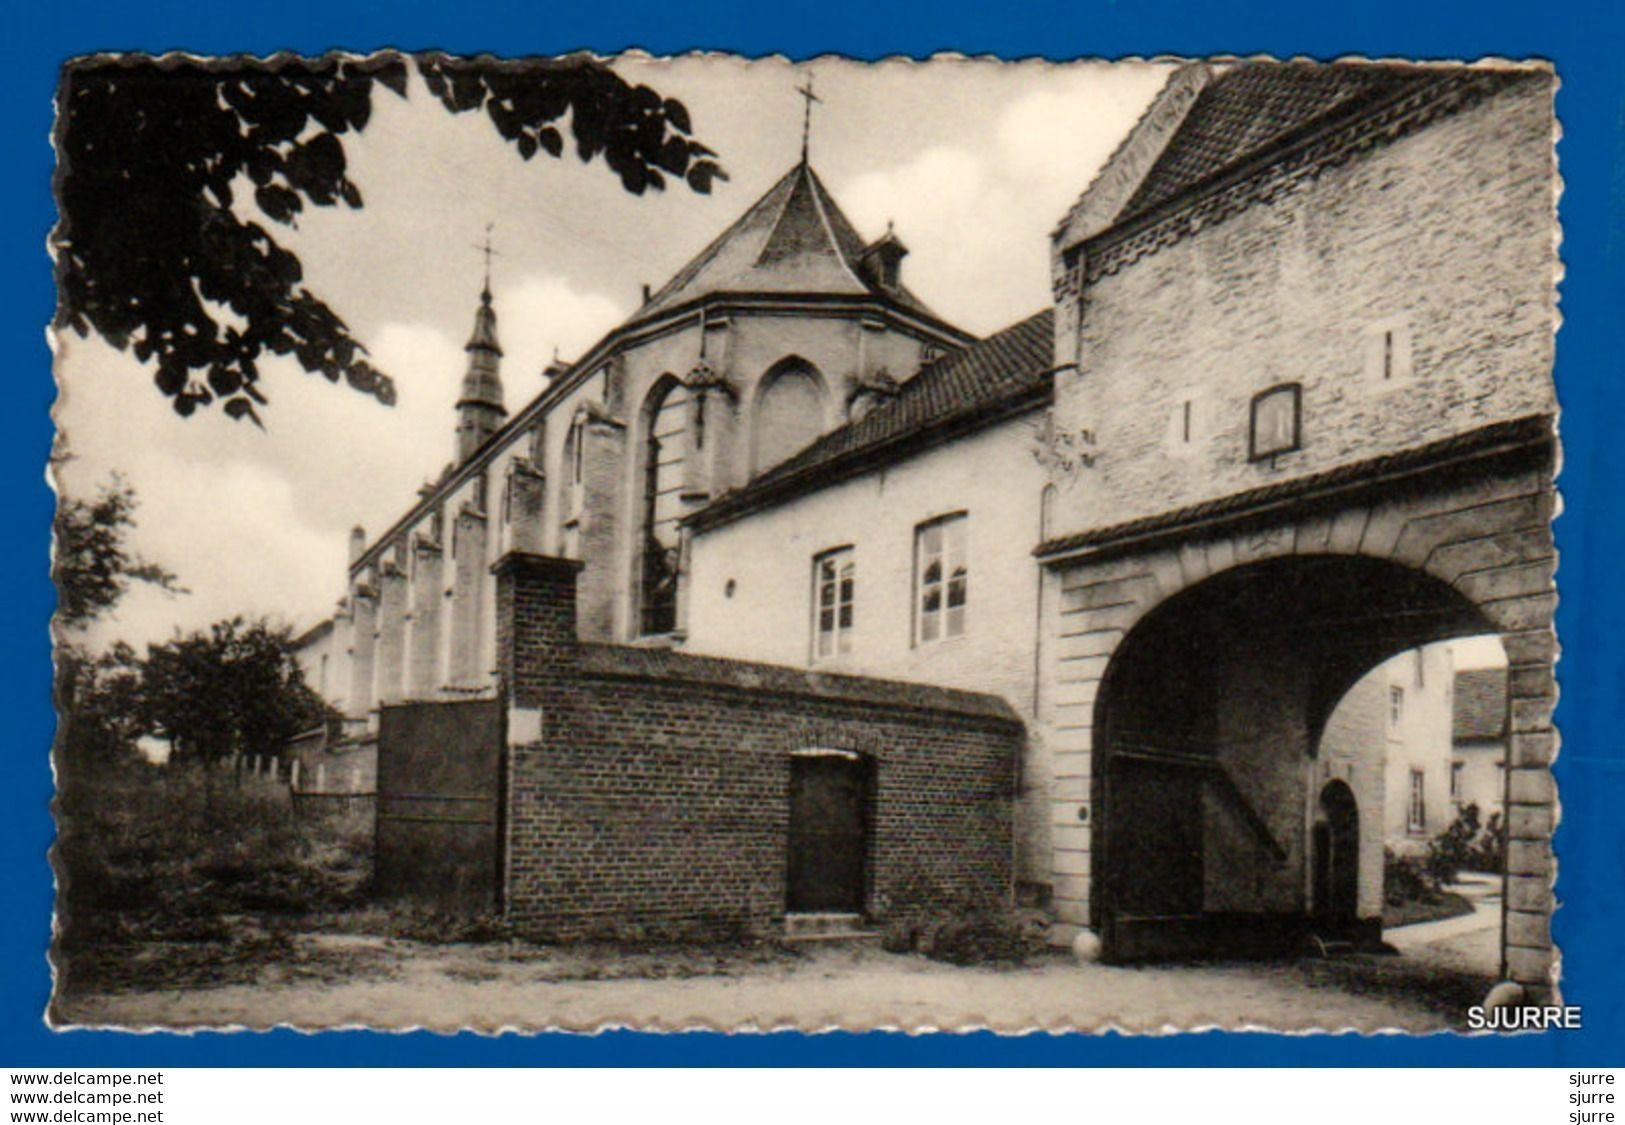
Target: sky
{"points": [[974, 161]]}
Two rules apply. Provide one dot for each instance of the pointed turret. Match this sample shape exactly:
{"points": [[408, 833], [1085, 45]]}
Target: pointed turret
{"points": [[480, 410]]}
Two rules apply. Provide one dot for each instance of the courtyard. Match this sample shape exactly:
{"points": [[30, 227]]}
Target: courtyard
{"points": [[330, 980]]}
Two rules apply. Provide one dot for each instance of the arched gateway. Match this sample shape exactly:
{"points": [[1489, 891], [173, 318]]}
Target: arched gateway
{"points": [[1199, 655]]}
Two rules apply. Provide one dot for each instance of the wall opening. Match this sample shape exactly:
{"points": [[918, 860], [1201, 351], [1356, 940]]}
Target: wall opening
{"points": [[1208, 724]]}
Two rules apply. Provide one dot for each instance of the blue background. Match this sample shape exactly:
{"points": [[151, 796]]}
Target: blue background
{"points": [[1583, 39]]}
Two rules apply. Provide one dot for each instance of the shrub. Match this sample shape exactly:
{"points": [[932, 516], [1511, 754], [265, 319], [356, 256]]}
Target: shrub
{"points": [[1448, 852], [1408, 878], [1488, 852], [147, 852], [972, 938]]}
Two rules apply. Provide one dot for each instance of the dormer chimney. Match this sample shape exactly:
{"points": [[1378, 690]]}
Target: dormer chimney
{"points": [[882, 261]]}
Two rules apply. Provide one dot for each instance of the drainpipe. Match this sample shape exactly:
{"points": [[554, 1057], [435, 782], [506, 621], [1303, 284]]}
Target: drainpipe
{"points": [[1506, 813], [1021, 772]]}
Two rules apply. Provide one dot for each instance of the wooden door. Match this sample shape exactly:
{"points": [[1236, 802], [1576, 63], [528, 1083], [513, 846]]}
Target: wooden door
{"points": [[1154, 881], [439, 830], [828, 842], [1337, 859]]}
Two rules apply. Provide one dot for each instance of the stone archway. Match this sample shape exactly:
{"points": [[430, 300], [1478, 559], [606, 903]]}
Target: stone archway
{"points": [[1209, 717], [1371, 563]]}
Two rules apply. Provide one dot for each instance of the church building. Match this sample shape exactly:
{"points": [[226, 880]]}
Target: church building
{"points": [[791, 597], [784, 328]]}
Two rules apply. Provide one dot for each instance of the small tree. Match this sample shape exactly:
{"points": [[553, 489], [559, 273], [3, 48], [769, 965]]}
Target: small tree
{"points": [[93, 566], [1452, 849], [233, 689], [98, 699]]}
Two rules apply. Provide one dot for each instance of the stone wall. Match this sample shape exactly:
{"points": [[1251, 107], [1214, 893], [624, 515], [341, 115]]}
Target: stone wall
{"points": [[1444, 236], [649, 790]]}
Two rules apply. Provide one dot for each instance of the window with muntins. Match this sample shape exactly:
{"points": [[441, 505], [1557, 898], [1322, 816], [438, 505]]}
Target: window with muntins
{"points": [[941, 579], [834, 591], [663, 508], [1416, 814]]}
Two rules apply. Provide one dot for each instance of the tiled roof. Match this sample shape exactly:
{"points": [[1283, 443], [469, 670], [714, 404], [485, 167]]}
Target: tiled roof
{"points": [[1007, 368], [708, 671], [1480, 704], [1255, 106], [794, 239]]}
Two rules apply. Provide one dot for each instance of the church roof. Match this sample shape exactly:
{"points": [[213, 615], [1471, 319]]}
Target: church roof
{"points": [[1479, 710], [960, 391], [793, 240]]}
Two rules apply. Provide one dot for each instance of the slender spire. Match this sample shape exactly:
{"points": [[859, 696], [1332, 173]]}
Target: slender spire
{"points": [[806, 114], [480, 409]]}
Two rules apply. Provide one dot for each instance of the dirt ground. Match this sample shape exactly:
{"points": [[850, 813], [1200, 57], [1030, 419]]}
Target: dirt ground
{"points": [[324, 981]]}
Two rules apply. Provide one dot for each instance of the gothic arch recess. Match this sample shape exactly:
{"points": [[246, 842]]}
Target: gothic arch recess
{"points": [[792, 401]]}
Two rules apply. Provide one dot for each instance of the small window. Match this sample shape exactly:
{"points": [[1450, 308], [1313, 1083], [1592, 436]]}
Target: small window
{"points": [[1396, 707], [1388, 361], [1416, 813], [1187, 424], [834, 591], [941, 579], [575, 443], [1277, 422], [1456, 769]]}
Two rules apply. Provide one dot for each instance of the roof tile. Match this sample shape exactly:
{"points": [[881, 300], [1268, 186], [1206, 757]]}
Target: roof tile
{"points": [[1479, 711], [1255, 106]]}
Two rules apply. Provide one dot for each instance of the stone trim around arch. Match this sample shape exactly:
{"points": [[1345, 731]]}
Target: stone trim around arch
{"points": [[1485, 532]]}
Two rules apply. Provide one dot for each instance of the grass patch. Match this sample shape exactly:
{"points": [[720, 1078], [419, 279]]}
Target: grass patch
{"points": [[178, 876], [1448, 905]]}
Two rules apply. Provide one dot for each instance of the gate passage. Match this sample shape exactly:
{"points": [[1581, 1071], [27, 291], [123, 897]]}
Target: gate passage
{"points": [[439, 808]]}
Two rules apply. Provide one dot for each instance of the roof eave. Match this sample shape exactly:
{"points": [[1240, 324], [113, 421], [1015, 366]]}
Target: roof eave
{"points": [[732, 507]]}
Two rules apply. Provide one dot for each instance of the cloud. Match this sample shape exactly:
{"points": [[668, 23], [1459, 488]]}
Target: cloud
{"points": [[256, 521], [238, 542], [978, 221], [540, 314]]}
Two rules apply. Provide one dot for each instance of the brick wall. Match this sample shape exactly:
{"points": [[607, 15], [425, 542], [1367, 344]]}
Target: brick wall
{"points": [[655, 792]]}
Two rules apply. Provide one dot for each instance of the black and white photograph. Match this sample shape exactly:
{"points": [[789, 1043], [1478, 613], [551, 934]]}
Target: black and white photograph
{"points": [[704, 542]]}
